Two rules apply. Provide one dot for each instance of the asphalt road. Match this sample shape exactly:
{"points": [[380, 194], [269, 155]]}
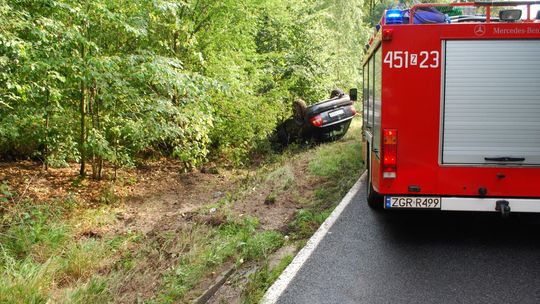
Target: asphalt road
{"points": [[377, 257]]}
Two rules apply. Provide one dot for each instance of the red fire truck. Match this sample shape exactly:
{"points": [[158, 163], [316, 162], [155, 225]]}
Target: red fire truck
{"points": [[451, 115]]}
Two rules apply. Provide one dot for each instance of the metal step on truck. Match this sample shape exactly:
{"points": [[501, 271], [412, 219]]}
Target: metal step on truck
{"points": [[451, 108]]}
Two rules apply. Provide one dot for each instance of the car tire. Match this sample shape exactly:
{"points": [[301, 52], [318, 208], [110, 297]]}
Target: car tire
{"points": [[283, 135], [300, 110]]}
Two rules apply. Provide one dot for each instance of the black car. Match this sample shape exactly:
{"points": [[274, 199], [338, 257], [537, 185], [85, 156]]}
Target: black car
{"points": [[324, 121]]}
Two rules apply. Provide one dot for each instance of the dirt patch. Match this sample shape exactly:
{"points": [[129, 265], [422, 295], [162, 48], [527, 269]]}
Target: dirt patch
{"points": [[164, 203], [167, 202], [231, 291], [213, 283], [152, 258], [290, 190], [28, 180], [164, 195]]}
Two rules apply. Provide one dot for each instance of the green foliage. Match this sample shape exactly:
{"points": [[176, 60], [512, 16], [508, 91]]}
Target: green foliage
{"points": [[210, 248], [40, 249], [31, 226], [451, 10], [262, 279], [109, 82], [307, 222], [331, 161], [262, 244], [95, 291], [5, 194], [24, 281]]}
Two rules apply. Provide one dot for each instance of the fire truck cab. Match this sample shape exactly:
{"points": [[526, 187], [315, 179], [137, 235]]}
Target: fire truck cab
{"points": [[451, 111]]}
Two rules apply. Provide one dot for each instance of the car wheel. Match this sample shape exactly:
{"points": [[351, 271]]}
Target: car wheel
{"points": [[283, 135], [299, 109]]}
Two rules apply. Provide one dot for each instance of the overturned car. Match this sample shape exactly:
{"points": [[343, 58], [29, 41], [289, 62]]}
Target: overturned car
{"points": [[327, 120]]}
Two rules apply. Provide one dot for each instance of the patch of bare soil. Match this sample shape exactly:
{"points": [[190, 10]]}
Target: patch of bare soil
{"points": [[164, 196], [165, 200], [288, 191], [162, 203], [28, 180]]}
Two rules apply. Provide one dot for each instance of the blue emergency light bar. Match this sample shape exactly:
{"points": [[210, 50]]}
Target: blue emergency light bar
{"points": [[394, 16]]}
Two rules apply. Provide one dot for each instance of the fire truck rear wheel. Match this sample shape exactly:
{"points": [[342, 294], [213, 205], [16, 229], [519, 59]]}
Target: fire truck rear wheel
{"points": [[374, 199]]}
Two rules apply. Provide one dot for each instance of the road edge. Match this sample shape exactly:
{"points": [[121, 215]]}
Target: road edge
{"points": [[274, 292]]}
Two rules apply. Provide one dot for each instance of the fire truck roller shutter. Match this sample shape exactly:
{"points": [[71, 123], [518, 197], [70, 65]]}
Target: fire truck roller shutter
{"points": [[491, 102]]}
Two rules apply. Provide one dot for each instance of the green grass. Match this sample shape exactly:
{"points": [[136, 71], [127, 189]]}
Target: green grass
{"points": [[209, 248], [281, 178], [262, 279], [96, 290], [25, 281], [339, 164], [40, 250]]}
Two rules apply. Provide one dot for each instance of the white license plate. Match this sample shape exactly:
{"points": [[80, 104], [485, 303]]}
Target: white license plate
{"points": [[412, 202], [336, 113]]}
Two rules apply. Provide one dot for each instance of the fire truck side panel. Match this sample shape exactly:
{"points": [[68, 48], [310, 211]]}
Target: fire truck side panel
{"points": [[412, 91]]}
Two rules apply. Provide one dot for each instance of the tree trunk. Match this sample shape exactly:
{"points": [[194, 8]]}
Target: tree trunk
{"points": [[98, 124], [94, 114], [46, 152], [82, 137], [82, 109]]}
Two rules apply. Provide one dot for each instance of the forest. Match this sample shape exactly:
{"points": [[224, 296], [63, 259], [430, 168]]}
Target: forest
{"points": [[111, 83]]}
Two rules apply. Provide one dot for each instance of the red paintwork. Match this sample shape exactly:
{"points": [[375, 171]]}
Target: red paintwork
{"points": [[411, 101]]}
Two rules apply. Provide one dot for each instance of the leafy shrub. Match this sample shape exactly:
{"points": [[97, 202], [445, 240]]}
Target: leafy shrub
{"points": [[110, 83]]}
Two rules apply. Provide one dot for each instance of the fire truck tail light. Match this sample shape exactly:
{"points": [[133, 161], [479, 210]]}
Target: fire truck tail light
{"points": [[387, 34], [353, 110], [317, 121], [389, 153]]}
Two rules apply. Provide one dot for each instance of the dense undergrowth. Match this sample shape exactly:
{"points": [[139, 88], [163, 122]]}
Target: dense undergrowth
{"points": [[110, 83]]}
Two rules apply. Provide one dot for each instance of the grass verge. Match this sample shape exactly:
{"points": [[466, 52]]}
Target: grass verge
{"points": [[66, 251], [338, 165], [237, 241], [45, 256]]}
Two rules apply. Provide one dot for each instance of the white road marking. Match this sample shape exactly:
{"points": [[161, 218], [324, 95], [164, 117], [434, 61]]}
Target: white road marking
{"points": [[275, 291]]}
